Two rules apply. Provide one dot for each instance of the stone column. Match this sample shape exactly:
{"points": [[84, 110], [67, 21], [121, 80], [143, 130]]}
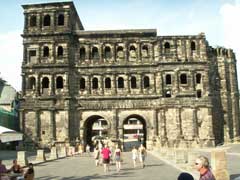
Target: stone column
{"points": [[219, 165], [52, 85], [53, 125], [101, 60], [22, 158], [139, 57], [114, 124], [114, 52], [40, 156], [37, 133], [53, 154], [22, 120], [24, 84], [38, 85]]}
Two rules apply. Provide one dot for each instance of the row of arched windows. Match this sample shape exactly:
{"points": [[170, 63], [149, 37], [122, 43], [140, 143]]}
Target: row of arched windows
{"points": [[107, 51], [46, 20], [45, 83], [133, 81], [108, 82], [46, 51]]}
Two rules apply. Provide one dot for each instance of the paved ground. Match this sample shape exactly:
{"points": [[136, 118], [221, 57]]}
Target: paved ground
{"points": [[83, 168]]}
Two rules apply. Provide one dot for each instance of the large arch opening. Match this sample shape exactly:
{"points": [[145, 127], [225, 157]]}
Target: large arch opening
{"points": [[134, 132], [95, 129]]}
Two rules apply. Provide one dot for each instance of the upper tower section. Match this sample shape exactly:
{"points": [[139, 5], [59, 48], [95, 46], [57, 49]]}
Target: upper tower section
{"points": [[51, 18]]}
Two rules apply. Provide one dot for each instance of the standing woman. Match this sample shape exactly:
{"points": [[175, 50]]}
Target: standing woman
{"points": [[117, 154], [203, 167], [134, 156]]}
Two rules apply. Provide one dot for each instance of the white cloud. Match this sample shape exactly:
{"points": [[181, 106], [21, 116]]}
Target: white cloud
{"points": [[230, 16], [11, 58]]}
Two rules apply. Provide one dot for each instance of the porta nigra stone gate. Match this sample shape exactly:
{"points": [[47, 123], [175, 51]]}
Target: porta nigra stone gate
{"points": [[179, 91]]}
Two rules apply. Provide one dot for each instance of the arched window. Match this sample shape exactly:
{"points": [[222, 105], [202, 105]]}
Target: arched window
{"points": [[120, 52], [183, 79], [167, 47], [107, 52], [45, 82], [95, 54], [45, 51], [82, 53], [146, 83], [32, 83], [60, 51], [133, 82], [95, 83], [59, 82], [60, 20], [145, 51], [33, 21], [82, 83], [198, 78], [46, 20], [193, 46], [199, 93], [132, 48], [168, 79], [120, 82], [107, 83]]}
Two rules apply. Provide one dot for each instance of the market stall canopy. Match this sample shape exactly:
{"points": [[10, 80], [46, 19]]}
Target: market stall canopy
{"points": [[8, 135]]}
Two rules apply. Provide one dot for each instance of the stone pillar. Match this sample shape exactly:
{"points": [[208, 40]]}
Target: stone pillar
{"points": [[40, 156], [63, 152], [38, 85], [22, 120], [53, 154], [21, 158], [23, 84], [219, 165], [139, 57], [53, 125], [37, 133], [52, 85]]}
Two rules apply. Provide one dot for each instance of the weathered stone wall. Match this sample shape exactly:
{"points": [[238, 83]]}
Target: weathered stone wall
{"points": [[178, 86]]}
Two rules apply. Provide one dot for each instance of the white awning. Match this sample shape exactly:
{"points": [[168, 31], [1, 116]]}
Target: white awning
{"points": [[8, 135]]}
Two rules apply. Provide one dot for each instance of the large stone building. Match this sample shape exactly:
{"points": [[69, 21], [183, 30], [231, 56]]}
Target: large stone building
{"points": [[168, 90]]}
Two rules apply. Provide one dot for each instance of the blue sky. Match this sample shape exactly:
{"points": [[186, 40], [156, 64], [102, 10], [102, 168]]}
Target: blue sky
{"points": [[219, 19]]}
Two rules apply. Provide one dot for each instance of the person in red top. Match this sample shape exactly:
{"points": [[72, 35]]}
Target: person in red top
{"points": [[106, 153], [202, 165]]}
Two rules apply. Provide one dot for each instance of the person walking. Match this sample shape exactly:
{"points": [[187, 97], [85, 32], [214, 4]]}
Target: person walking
{"points": [[142, 155], [134, 156], [203, 167], [117, 156], [88, 150], [106, 153], [97, 156]]}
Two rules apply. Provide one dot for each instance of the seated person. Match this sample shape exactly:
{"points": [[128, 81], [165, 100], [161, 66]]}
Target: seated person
{"points": [[29, 174], [3, 171], [16, 169]]}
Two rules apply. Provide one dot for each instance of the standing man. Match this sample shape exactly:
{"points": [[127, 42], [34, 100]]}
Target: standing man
{"points": [[106, 153], [142, 155], [203, 167]]}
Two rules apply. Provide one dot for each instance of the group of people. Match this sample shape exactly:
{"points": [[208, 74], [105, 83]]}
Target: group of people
{"points": [[104, 155], [16, 172]]}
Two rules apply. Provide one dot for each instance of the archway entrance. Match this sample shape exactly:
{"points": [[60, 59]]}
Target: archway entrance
{"points": [[134, 132], [95, 128]]}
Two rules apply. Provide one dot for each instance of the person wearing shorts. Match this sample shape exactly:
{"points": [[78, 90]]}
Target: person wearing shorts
{"points": [[106, 153]]}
